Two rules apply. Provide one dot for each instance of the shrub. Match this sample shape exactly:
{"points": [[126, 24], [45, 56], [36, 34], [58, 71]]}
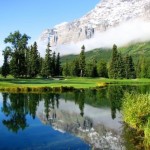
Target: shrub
{"points": [[136, 109], [147, 134], [136, 113]]}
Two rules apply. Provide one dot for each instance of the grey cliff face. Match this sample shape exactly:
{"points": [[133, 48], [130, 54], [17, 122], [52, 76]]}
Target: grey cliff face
{"points": [[106, 14]]}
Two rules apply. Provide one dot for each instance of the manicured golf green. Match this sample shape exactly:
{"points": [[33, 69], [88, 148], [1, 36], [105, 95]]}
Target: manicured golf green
{"points": [[76, 83]]}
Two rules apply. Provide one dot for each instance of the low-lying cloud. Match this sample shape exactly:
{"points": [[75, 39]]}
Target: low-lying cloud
{"points": [[131, 31]]}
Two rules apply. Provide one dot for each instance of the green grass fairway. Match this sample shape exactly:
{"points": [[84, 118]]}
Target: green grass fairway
{"points": [[66, 82]]}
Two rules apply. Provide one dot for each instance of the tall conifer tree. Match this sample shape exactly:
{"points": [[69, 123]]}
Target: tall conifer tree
{"points": [[129, 68], [66, 71], [120, 67], [82, 64], [102, 69], [113, 64], [53, 64], [47, 63], [74, 70], [34, 60], [58, 65]]}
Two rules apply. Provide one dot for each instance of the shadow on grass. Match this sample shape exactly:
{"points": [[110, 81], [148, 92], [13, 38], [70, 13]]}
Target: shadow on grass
{"points": [[27, 81], [41, 81]]}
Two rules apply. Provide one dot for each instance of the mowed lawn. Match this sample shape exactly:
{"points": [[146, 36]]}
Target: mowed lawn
{"points": [[77, 82], [39, 82]]}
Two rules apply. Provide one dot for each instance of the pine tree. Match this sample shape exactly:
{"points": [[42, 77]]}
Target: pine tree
{"points": [[102, 69], [94, 68], [138, 68], [89, 69], [129, 68], [53, 64], [41, 60], [58, 65], [74, 70], [148, 68], [47, 63], [43, 72], [22, 63], [82, 64], [66, 71], [132, 69], [34, 60], [113, 64], [28, 61], [120, 67]]}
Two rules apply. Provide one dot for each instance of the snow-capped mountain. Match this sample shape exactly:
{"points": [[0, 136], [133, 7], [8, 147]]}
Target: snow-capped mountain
{"points": [[106, 15]]}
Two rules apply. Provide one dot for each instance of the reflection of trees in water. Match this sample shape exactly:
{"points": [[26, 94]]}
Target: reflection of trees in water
{"points": [[101, 98], [79, 98], [110, 96], [17, 106], [33, 102], [57, 100], [15, 110], [51, 101], [81, 103], [115, 95], [87, 123], [133, 139], [48, 102]]}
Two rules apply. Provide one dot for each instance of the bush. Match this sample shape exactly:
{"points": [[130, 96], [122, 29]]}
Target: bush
{"points": [[136, 109]]}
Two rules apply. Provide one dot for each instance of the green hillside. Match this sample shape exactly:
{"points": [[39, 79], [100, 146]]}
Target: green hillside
{"points": [[96, 54], [135, 50]]}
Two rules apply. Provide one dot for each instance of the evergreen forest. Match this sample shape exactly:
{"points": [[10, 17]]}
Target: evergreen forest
{"points": [[24, 61]]}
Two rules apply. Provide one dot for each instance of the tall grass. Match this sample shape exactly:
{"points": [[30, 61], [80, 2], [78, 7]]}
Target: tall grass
{"points": [[147, 133], [37, 89], [136, 113]]}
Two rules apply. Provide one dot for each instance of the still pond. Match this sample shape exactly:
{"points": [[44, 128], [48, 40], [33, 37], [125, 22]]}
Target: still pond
{"points": [[80, 120]]}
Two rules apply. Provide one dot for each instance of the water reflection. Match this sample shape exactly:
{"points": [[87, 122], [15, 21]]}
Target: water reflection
{"points": [[93, 115], [15, 111], [133, 138]]}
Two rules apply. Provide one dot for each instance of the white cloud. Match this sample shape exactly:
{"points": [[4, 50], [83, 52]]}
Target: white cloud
{"points": [[132, 31]]}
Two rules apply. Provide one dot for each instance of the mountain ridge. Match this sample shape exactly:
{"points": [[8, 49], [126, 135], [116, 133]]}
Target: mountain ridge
{"points": [[105, 15]]}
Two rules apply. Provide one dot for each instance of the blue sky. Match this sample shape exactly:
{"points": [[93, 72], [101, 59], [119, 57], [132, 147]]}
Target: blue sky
{"points": [[33, 16]]}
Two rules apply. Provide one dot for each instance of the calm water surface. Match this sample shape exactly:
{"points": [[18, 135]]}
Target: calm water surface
{"points": [[75, 120]]}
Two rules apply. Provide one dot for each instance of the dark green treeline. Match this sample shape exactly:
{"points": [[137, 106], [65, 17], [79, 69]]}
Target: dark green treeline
{"points": [[118, 67], [21, 60]]}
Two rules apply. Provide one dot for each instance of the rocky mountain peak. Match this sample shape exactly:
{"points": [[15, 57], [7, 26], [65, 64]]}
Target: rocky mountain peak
{"points": [[107, 14]]}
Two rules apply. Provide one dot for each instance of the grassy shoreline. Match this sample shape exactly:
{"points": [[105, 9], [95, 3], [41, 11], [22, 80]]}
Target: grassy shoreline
{"points": [[136, 113], [38, 84]]}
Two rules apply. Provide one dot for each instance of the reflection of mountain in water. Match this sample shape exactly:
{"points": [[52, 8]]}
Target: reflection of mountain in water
{"points": [[92, 127], [92, 115]]}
